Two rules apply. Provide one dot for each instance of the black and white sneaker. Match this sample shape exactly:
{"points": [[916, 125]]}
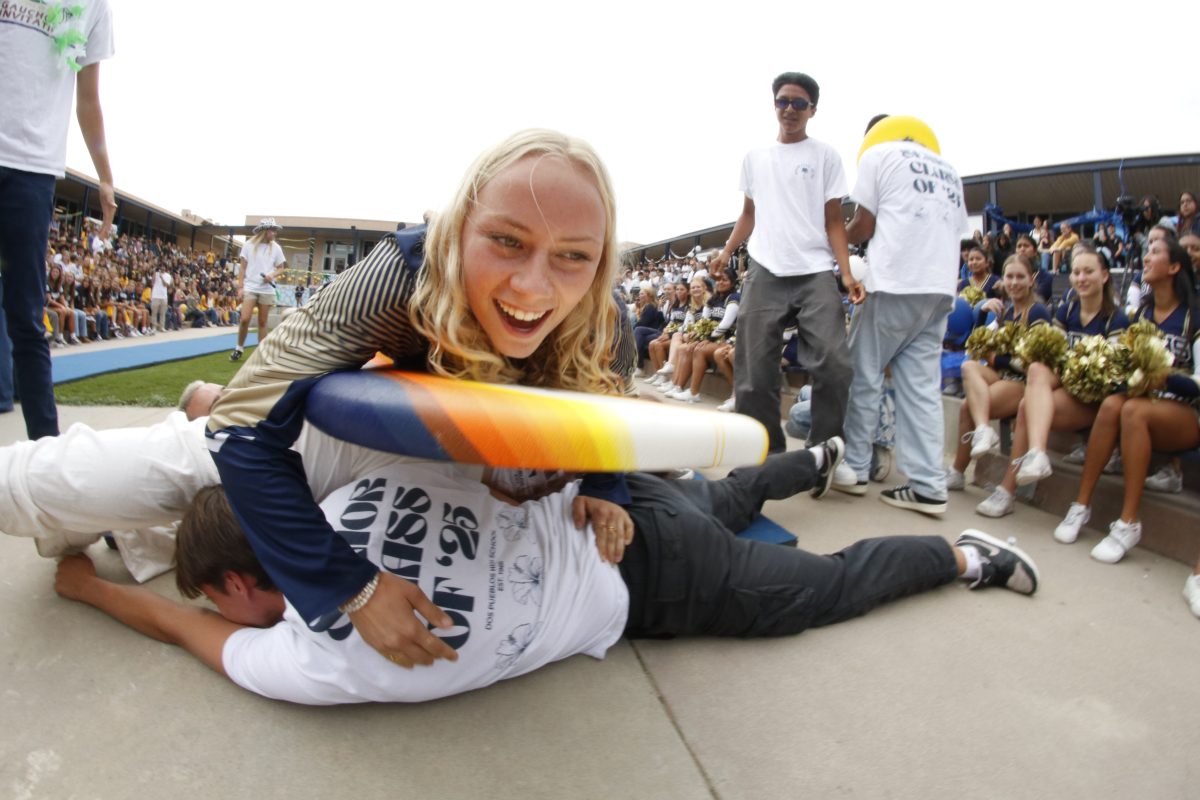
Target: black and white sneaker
{"points": [[1004, 564], [236, 355], [905, 497], [834, 449]]}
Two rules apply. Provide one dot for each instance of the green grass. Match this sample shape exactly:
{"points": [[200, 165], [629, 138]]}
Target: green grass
{"points": [[155, 386]]}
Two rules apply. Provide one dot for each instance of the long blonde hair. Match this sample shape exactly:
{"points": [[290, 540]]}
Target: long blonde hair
{"points": [[576, 354]]}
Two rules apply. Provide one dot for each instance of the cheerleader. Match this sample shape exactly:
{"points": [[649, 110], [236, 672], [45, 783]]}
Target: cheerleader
{"points": [[674, 310], [979, 265], [994, 388], [1167, 419], [698, 294], [1046, 406], [722, 308]]}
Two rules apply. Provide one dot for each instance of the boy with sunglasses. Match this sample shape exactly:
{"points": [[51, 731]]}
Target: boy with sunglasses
{"points": [[793, 207]]}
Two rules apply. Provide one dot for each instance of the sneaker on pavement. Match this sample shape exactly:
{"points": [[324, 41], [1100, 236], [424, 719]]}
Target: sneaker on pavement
{"points": [[906, 497], [684, 396], [1004, 564], [1166, 479], [236, 355], [1035, 465], [881, 462], [1122, 537], [845, 480], [834, 449], [667, 386], [637, 372], [1068, 530], [998, 504], [1114, 465], [1077, 455], [728, 405], [983, 440], [1191, 592], [955, 480]]}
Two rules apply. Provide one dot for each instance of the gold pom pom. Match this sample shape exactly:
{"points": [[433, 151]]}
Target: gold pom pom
{"points": [[1092, 369], [973, 295], [1044, 344]]}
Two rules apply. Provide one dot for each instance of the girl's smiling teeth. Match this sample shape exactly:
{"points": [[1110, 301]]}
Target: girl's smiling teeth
{"points": [[518, 318]]}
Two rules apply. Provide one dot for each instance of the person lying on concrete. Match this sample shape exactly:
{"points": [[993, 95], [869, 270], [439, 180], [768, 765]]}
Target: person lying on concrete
{"points": [[522, 586]]}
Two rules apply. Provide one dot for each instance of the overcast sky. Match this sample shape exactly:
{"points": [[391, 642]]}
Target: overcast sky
{"points": [[375, 109]]}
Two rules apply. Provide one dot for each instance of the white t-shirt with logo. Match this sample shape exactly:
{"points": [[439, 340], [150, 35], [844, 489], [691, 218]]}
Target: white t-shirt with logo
{"points": [[37, 85], [790, 185], [522, 584], [261, 259], [920, 218]]}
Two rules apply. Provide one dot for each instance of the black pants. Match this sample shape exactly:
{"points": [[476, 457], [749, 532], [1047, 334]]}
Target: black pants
{"points": [[689, 575]]}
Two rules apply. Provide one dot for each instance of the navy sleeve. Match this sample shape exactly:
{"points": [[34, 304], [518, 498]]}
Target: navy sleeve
{"points": [[608, 486], [1182, 385]]}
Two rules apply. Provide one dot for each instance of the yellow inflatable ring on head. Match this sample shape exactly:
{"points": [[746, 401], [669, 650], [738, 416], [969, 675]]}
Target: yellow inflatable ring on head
{"points": [[899, 129]]}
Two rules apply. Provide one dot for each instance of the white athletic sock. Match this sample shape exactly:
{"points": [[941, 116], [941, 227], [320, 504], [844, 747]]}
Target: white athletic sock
{"points": [[974, 560], [818, 454]]}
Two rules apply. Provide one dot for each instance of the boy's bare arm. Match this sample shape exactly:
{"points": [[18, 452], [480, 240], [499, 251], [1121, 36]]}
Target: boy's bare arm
{"points": [[202, 633]]}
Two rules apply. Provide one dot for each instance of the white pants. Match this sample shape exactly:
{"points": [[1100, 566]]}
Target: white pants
{"points": [[66, 490]]}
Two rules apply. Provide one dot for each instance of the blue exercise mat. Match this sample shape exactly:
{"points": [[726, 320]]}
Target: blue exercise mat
{"points": [[84, 364], [764, 529]]}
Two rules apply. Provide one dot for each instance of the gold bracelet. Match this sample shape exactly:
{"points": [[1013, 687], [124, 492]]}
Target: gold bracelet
{"points": [[362, 598]]}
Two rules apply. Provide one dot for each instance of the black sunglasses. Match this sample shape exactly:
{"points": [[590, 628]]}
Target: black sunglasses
{"points": [[798, 103]]}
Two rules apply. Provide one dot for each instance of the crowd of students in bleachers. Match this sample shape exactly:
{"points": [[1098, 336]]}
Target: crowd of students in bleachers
{"points": [[131, 287]]}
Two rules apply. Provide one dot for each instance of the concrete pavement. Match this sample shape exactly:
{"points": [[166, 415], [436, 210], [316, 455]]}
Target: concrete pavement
{"points": [[1089, 689]]}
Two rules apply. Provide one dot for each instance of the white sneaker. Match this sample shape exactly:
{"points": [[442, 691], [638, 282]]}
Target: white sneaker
{"points": [[666, 369], [999, 504], [653, 379], [728, 405], [1068, 530], [1191, 593], [845, 479], [1035, 465], [1122, 537], [1114, 465], [637, 372], [955, 480], [1076, 456], [684, 396], [667, 386], [1165, 480], [983, 440]]}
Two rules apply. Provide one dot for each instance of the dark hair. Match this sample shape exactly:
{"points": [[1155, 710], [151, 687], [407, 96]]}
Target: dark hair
{"points": [[805, 82], [987, 254], [1108, 302], [1171, 233], [1185, 279], [1027, 238], [875, 120], [210, 543]]}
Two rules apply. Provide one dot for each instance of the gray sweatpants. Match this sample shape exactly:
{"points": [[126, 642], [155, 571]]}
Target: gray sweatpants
{"points": [[903, 331], [769, 304]]}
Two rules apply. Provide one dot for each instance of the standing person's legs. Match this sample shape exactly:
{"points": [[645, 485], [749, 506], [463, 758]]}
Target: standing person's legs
{"points": [[916, 377], [870, 349], [761, 316], [6, 376], [158, 313], [248, 304], [26, 204], [822, 349], [264, 311]]}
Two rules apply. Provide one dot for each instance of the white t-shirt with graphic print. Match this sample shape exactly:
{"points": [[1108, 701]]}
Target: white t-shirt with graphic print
{"points": [[790, 185], [522, 584]]}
